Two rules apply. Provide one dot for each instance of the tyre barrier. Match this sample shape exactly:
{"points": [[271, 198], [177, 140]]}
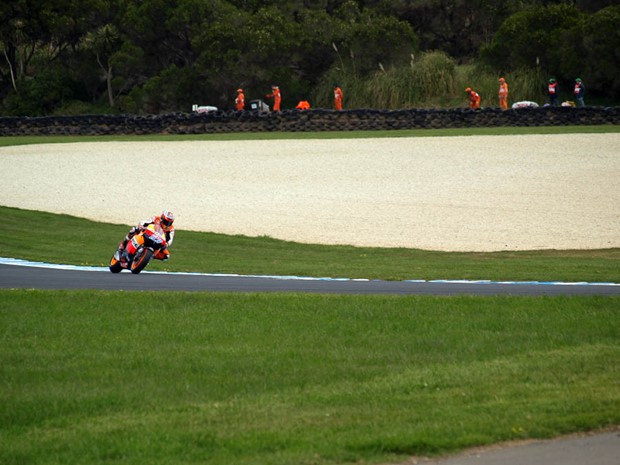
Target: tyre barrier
{"points": [[304, 121]]}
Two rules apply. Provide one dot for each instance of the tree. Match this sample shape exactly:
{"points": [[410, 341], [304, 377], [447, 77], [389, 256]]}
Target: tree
{"points": [[531, 37], [21, 30], [457, 27], [380, 40], [592, 6], [104, 43], [592, 51], [163, 55]]}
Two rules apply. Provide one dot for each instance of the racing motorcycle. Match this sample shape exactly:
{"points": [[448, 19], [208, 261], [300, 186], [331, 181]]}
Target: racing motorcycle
{"points": [[149, 243]]}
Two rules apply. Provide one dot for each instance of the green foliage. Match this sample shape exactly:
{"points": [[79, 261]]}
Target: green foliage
{"points": [[597, 42], [381, 40], [175, 87], [123, 53], [40, 95], [431, 81], [523, 83], [422, 82], [457, 27], [561, 41], [531, 38]]}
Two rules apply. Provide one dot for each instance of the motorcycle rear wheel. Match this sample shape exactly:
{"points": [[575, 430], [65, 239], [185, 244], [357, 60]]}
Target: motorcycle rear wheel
{"points": [[140, 260]]}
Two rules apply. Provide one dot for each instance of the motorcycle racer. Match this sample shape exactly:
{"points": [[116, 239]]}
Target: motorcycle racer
{"points": [[164, 221]]}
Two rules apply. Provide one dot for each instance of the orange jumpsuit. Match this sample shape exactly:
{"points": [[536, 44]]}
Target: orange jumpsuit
{"points": [[474, 100], [503, 94], [240, 100], [277, 98], [338, 98]]}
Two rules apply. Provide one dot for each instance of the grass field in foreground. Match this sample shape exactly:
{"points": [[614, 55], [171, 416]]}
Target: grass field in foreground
{"points": [[166, 378], [64, 239]]}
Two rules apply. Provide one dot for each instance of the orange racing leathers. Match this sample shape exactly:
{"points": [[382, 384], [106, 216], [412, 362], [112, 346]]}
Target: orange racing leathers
{"points": [[155, 220]]}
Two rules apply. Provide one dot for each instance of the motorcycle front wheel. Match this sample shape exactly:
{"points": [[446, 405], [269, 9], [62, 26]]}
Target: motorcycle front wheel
{"points": [[140, 260], [115, 265]]}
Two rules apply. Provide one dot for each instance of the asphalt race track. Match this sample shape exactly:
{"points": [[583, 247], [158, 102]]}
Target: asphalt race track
{"points": [[17, 274]]}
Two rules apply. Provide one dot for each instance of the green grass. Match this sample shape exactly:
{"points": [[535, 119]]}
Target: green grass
{"points": [[64, 239], [24, 140], [91, 377], [134, 378]]}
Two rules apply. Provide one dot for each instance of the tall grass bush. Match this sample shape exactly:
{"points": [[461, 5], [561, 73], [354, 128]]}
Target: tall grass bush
{"points": [[434, 75], [523, 84], [433, 80], [422, 83]]}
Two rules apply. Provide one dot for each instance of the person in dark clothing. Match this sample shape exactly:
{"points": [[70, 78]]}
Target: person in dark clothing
{"points": [[579, 91], [552, 92]]}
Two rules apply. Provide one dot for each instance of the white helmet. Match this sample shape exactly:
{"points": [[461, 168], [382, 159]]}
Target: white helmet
{"points": [[166, 219]]}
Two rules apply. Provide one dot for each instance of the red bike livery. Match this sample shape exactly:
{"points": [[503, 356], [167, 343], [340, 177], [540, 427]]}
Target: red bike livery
{"points": [[149, 243]]}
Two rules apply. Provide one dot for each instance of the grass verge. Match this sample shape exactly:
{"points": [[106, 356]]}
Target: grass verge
{"points": [[65, 239], [128, 378], [599, 129]]}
